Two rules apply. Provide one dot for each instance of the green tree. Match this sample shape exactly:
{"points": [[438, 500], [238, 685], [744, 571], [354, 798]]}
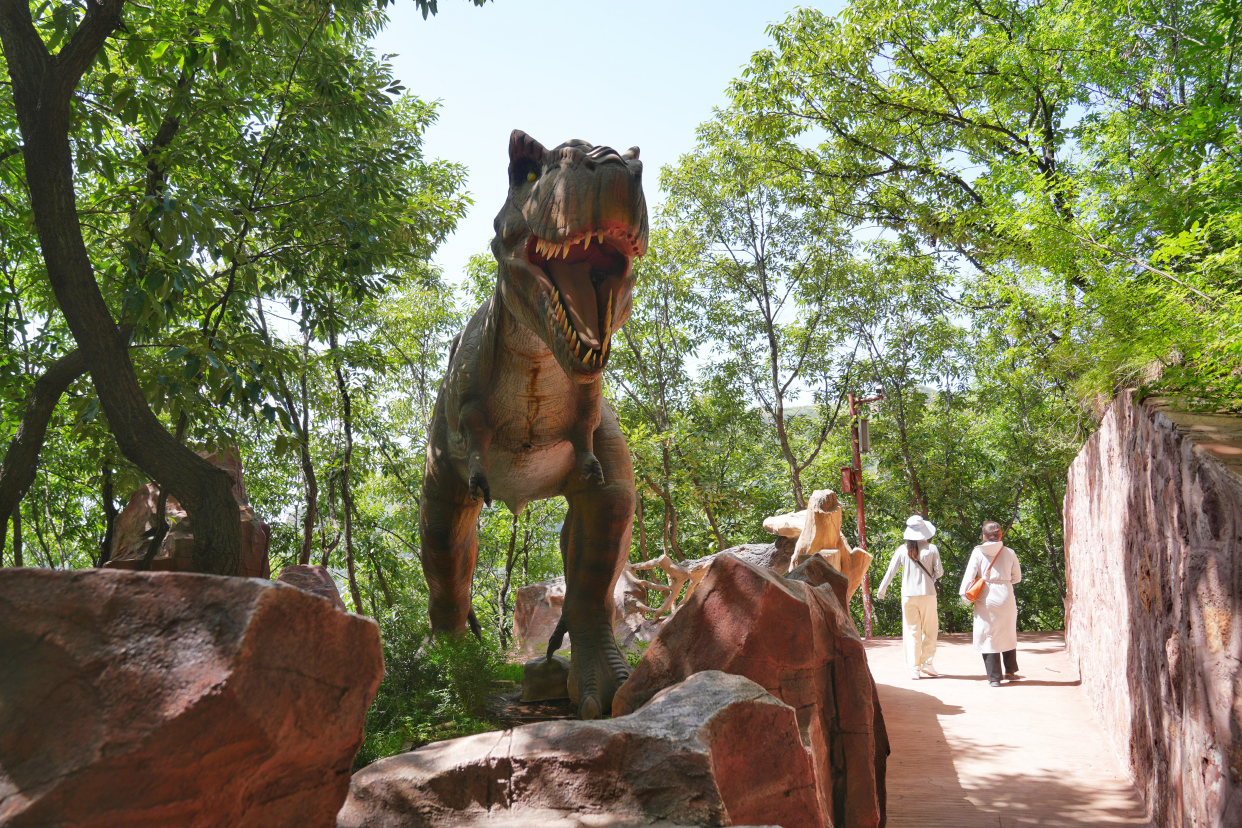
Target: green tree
{"points": [[173, 171], [1080, 159], [770, 269]]}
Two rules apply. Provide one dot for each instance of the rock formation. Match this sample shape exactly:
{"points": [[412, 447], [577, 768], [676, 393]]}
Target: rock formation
{"points": [[818, 530], [537, 609], [1153, 553], [799, 643], [714, 750], [315, 579], [153, 699], [135, 527]]}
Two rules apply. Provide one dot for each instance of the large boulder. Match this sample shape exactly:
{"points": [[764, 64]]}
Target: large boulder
{"points": [[135, 527], [770, 555], [315, 579], [713, 750], [797, 641], [150, 699], [537, 609]]}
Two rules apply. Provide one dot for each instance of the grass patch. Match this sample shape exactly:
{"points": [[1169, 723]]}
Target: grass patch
{"points": [[431, 690]]}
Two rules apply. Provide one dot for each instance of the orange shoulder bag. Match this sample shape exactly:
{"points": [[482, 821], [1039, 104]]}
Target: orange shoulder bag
{"points": [[976, 589]]}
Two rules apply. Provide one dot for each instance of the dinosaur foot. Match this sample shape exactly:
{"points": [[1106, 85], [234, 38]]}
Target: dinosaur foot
{"points": [[597, 668], [589, 467]]}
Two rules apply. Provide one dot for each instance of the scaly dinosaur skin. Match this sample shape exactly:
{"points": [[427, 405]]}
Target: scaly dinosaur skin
{"points": [[520, 415]]}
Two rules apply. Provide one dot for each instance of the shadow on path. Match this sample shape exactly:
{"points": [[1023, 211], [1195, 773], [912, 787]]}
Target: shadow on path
{"points": [[965, 754]]}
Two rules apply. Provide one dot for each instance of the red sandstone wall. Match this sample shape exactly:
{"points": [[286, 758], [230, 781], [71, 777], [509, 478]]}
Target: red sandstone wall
{"points": [[1153, 552]]}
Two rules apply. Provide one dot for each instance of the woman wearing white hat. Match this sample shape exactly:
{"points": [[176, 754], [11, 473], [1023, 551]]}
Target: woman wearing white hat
{"points": [[920, 567], [996, 610]]}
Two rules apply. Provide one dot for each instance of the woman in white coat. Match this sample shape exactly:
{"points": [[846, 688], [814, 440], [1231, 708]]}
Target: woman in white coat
{"points": [[996, 609]]}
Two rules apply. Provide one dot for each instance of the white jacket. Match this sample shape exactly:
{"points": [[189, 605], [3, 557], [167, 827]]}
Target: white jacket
{"points": [[996, 609], [914, 580]]}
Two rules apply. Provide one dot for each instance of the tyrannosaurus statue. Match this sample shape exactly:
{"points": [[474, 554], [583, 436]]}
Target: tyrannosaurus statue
{"points": [[521, 416]]}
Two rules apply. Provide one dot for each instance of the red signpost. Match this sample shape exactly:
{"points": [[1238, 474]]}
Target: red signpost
{"points": [[852, 483]]}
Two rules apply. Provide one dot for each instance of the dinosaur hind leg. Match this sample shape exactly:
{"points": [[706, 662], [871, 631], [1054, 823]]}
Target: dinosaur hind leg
{"points": [[448, 517], [595, 541]]}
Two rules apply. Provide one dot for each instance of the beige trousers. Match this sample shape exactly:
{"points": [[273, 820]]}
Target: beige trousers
{"points": [[919, 627]]}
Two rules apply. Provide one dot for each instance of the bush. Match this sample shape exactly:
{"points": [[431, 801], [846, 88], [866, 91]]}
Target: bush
{"points": [[432, 690]]}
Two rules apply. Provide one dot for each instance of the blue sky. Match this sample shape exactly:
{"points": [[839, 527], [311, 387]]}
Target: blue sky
{"points": [[641, 73]]}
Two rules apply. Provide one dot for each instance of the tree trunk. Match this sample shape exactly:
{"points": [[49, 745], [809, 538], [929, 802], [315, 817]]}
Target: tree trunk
{"points": [[642, 529], [383, 582], [38, 530], [161, 506], [510, 559], [17, 537], [161, 532], [795, 477], [301, 424], [707, 505], [308, 474], [43, 90], [17, 472], [918, 500], [110, 513], [670, 516], [347, 500], [328, 548]]}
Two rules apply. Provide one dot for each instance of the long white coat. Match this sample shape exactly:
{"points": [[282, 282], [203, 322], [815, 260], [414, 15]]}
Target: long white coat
{"points": [[996, 610]]}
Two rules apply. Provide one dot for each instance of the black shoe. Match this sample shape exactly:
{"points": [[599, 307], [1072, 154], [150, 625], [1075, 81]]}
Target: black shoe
{"points": [[994, 683]]}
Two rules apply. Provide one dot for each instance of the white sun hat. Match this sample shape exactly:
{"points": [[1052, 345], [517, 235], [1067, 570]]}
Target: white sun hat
{"points": [[918, 529]]}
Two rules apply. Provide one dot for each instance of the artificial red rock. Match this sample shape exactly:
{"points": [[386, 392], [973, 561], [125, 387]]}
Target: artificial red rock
{"points": [[537, 609], [714, 750], [544, 679], [154, 699], [1153, 559], [816, 571], [135, 527], [315, 579], [798, 642]]}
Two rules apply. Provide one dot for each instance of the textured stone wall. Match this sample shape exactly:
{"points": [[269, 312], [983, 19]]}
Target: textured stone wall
{"points": [[1153, 549]]}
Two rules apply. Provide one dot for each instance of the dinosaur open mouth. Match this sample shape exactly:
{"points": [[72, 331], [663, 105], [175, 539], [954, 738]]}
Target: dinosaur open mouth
{"points": [[588, 273]]}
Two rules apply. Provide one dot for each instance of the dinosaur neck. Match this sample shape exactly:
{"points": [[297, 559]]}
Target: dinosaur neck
{"points": [[518, 347]]}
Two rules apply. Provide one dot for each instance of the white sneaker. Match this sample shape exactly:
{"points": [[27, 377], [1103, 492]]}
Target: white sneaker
{"points": [[929, 669], [915, 675]]}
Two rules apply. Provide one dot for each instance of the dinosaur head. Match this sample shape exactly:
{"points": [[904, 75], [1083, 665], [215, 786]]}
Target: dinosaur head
{"points": [[566, 239]]}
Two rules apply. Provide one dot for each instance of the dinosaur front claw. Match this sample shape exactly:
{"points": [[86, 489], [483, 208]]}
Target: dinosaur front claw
{"points": [[479, 487], [597, 668], [590, 468]]}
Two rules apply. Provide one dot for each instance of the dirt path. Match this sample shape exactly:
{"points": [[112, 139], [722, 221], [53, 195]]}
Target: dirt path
{"points": [[1027, 753]]}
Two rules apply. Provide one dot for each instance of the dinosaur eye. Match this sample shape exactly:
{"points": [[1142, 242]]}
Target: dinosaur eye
{"points": [[530, 176]]}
